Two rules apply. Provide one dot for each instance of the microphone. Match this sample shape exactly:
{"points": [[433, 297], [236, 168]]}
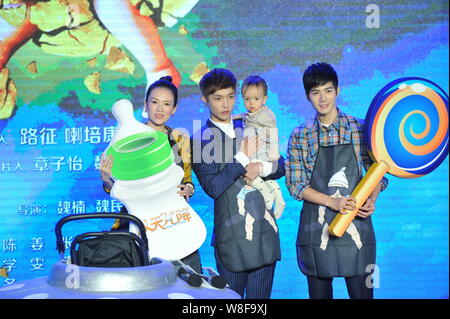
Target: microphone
{"points": [[215, 281], [191, 278], [195, 279]]}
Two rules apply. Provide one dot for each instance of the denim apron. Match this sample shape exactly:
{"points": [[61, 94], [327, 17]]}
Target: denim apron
{"points": [[240, 247], [319, 253]]}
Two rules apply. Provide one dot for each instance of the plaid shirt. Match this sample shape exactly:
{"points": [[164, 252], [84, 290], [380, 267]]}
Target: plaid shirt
{"points": [[304, 143]]}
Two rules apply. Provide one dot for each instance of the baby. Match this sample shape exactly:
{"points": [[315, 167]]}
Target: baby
{"points": [[261, 121]]}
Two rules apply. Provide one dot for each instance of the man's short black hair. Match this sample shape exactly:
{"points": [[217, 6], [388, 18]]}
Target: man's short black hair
{"points": [[215, 80], [319, 74]]}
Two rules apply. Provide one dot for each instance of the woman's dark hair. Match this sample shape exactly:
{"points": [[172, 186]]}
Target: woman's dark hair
{"points": [[215, 80], [319, 74], [165, 82], [254, 80]]}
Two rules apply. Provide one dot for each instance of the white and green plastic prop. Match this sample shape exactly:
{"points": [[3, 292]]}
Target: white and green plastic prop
{"points": [[146, 180]]}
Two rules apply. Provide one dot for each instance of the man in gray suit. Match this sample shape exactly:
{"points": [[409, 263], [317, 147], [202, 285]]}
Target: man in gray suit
{"points": [[245, 237]]}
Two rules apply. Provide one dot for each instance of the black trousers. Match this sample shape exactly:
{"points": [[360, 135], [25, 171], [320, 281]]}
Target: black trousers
{"points": [[322, 288], [253, 284]]}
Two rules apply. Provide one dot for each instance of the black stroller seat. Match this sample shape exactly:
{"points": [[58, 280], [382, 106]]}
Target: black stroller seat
{"points": [[106, 248]]}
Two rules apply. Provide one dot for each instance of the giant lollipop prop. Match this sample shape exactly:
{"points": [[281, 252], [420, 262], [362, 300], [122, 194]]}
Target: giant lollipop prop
{"points": [[406, 135]]}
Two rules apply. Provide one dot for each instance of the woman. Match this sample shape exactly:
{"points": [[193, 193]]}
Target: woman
{"points": [[160, 105]]}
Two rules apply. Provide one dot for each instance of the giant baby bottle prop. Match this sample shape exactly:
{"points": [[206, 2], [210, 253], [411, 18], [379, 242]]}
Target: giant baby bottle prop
{"points": [[406, 135], [146, 180]]}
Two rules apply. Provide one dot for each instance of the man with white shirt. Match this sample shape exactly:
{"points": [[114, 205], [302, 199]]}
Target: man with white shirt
{"points": [[223, 169]]}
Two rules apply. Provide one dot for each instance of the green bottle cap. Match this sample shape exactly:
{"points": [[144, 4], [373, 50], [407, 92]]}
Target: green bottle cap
{"points": [[140, 155]]}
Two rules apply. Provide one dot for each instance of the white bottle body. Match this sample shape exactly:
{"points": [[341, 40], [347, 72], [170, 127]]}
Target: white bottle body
{"points": [[174, 230]]}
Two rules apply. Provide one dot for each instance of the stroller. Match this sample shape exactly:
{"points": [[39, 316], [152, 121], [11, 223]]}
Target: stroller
{"points": [[115, 264], [122, 249], [114, 249]]}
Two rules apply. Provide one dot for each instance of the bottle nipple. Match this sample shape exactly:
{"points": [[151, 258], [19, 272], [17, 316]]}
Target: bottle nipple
{"points": [[127, 123]]}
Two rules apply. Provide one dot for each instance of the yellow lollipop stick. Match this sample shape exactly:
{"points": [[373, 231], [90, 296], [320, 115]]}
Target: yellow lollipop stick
{"points": [[361, 192]]}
